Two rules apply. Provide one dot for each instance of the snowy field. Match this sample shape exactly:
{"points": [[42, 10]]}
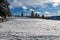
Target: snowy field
{"points": [[23, 28]]}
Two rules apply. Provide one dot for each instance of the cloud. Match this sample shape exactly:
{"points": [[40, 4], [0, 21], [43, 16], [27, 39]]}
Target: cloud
{"points": [[46, 13], [32, 10], [11, 7], [20, 3], [58, 13], [56, 3], [38, 12], [24, 7]]}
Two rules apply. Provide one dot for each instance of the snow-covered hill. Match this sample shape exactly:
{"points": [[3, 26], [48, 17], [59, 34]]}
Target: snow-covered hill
{"points": [[30, 27], [34, 26]]}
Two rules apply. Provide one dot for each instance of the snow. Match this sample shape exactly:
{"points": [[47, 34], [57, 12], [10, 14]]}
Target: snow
{"points": [[31, 26], [2, 39]]}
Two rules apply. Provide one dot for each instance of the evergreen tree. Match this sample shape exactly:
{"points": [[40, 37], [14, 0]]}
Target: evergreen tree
{"points": [[36, 15], [42, 16], [8, 10], [2, 12], [4, 9], [32, 14], [22, 14]]}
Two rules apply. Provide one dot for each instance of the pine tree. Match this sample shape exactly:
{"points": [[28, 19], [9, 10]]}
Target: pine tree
{"points": [[7, 7], [2, 12], [32, 14], [22, 14], [42, 16], [4, 9], [36, 15]]}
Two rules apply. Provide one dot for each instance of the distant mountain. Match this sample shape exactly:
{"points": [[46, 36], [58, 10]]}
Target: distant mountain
{"points": [[55, 17]]}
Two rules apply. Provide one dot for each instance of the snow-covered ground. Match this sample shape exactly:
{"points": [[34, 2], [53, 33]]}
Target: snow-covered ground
{"points": [[31, 27], [34, 26]]}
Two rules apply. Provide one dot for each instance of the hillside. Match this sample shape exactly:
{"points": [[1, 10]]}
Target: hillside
{"points": [[39, 26], [25, 27]]}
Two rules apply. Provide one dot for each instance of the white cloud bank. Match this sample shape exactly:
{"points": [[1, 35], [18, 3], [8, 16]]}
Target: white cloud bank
{"points": [[24, 7], [32, 10], [19, 3], [46, 13], [56, 3], [58, 13]]}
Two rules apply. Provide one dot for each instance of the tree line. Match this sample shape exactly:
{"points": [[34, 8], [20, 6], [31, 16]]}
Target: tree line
{"points": [[36, 15], [32, 15]]}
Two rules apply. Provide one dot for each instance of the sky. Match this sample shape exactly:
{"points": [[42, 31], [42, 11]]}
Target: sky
{"points": [[46, 7]]}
